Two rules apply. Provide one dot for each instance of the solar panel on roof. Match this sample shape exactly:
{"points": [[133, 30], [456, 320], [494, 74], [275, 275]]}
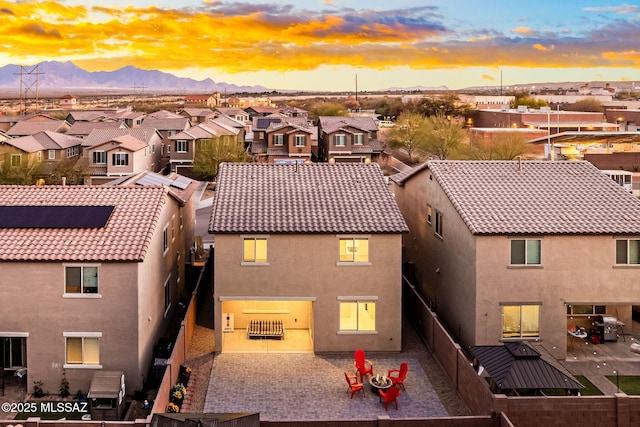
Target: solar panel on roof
{"points": [[181, 182], [54, 216], [264, 122], [153, 179]]}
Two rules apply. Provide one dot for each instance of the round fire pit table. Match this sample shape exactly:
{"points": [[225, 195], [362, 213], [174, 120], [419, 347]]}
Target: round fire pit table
{"points": [[379, 383]]}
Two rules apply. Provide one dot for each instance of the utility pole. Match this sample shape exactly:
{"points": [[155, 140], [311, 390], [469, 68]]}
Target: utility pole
{"points": [[28, 79]]}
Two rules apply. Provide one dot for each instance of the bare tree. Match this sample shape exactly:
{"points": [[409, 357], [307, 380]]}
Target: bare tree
{"points": [[409, 133], [503, 146], [443, 136]]}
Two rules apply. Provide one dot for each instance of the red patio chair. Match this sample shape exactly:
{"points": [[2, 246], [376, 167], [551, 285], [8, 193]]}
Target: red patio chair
{"points": [[389, 396], [397, 376], [363, 366], [354, 385]]}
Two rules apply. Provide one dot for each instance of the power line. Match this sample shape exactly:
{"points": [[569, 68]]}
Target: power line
{"points": [[28, 79]]}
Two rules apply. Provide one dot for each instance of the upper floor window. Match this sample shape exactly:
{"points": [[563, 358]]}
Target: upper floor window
{"points": [[181, 146], [165, 238], [358, 139], [525, 252], [72, 151], [120, 159], [100, 157], [16, 159], [300, 140], [81, 279], [167, 295], [354, 250], [254, 250], [520, 321], [278, 139], [340, 140], [39, 155], [627, 251], [52, 154], [439, 221], [429, 214]]}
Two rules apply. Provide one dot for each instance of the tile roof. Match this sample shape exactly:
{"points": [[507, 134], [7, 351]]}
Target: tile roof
{"points": [[309, 198], [330, 124], [46, 140], [167, 123], [25, 127], [99, 136], [534, 197], [85, 128], [126, 236]]}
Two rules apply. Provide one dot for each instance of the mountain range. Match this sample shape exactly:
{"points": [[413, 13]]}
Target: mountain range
{"points": [[64, 77]]}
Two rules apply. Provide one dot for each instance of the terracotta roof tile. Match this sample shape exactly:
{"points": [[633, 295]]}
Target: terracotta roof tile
{"points": [[125, 237], [309, 198], [535, 197]]}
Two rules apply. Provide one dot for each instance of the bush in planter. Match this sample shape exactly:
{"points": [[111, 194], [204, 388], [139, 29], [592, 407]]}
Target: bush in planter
{"points": [[172, 407], [184, 375], [178, 392]]}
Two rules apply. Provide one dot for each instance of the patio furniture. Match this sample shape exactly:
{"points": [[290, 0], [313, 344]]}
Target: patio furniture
{"points": [[389, 396], [397, 376], [363, 366], [354, 385]]}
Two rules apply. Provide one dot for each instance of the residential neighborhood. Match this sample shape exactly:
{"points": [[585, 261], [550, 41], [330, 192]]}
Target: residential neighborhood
{"points": [[514, 245]]}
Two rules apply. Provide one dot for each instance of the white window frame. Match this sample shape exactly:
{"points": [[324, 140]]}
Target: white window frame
{"points": [[438, 224], [72, 151], [99, 155], [526, 262], [429, 214], [521, 335], [173, 228], [182, 146], [354, 238], [118, 161], [361, 304], [340, 140], [300, 140], [255, 239], [51, 154], [358, 139], [278, 139], [631, 253], [165, 239], [81, 294], [14, 157], [83, 335]]}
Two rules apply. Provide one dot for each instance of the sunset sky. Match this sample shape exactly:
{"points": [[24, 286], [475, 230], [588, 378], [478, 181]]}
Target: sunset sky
{"points": [[324, 44]]}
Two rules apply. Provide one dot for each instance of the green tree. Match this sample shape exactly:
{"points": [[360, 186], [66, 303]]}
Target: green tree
{"points": [[503, 146], [587, 104], [74, 170], [409, 133], [528, 101], [23, 174], [211, 152], [329, 109], [443, 136]]}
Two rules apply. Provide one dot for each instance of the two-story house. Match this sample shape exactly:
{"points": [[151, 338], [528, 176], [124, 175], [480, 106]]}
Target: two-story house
{"points": [[89, 280], [348, 139], [114, 153], [512, 251], [45, 149], [288, 143], [316, 247]]}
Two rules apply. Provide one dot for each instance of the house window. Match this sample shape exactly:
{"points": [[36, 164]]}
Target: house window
{"points": [[627, 251], [82, 348], [52, 154], [525, 252], [588, 310], [357, 314], [81, 279], [16, 159], [300, 140], [120, 159], [72, 151], [429, 214], [165, 238], [340, 140], [254, 250], [438, 226], [39, 156], [181, 220], [167, 295], [354, 250], [358, 139], [168, 149], [100, 157], [520, 321], [173, 228], [278, 139], [181, 146]]}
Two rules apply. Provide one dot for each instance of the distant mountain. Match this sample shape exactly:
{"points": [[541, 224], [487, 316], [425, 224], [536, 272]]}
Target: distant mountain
{"points": [[416, 89], [58, 77]]}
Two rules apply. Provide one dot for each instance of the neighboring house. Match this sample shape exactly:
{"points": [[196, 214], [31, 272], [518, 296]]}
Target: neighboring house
{"points": [[167, 127], [68, 102], [69, 253], [83, 129], [132, 119], [185, 145], [197, 115], [315, 246], [348, 139], [207, 100], [37, 124], [288, 143], [46, 148], [261, 110], [235, 113], [520, 251], [119, 152], [90, 116]]}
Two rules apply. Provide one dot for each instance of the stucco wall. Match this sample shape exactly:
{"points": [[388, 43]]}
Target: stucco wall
{"points": [[304, 266]]}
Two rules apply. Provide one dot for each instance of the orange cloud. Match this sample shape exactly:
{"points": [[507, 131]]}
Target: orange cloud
{"points": [[488, 77], [524, 31], [538, 46]]}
